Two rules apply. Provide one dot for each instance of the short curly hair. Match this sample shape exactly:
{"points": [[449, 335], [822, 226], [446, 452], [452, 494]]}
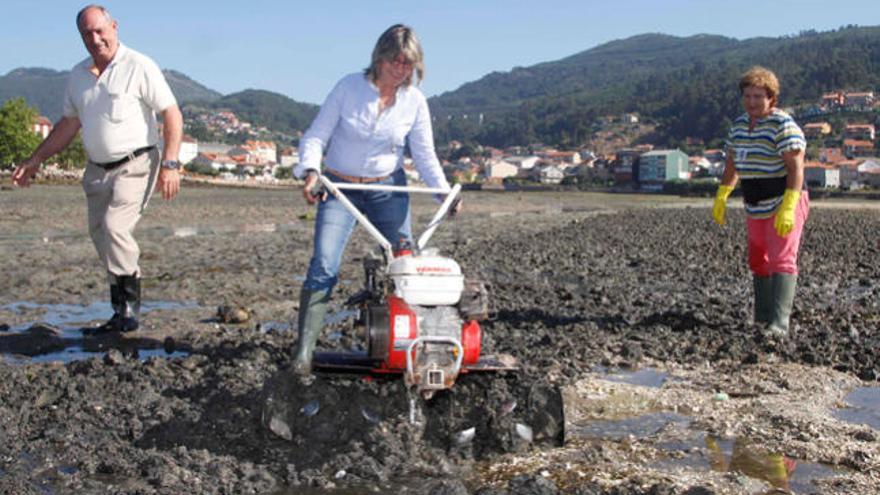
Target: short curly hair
{"points": [[760, 77]]}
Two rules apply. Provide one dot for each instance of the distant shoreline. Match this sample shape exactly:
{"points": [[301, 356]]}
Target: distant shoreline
{"points": [[189, 181]]}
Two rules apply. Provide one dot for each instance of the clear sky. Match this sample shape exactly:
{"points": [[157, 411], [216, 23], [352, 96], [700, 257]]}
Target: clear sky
{"points": [[301, 48]]}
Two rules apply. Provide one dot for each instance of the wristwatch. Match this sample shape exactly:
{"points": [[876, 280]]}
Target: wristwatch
{"points": [[171, 164]]}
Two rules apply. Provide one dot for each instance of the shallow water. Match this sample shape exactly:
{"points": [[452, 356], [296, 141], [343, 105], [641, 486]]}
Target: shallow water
{"points": [[69, 320], [864, 407], [642, 426], [740, 456], [70, 316], [643, 377], [77, 353]]}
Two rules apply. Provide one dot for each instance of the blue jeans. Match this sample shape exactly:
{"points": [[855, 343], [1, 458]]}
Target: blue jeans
{"points": [[388, 211]]}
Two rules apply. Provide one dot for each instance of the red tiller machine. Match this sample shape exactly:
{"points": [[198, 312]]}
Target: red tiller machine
{"points": [[418, 312]]}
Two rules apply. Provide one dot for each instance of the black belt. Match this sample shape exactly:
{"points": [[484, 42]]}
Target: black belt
{"points": [[757, 190], [127, 158]]}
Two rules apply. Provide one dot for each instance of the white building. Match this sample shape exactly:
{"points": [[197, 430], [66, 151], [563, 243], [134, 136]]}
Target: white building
{"points": [[189, 149], [216, 161], [550, 174], [822, 176], [869, 172], [522, 162], [500, 169], [42, 126]]}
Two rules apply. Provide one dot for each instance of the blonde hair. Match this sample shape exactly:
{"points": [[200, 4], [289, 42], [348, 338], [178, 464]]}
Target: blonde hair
{"points": [[396, 40], [761, 77]]}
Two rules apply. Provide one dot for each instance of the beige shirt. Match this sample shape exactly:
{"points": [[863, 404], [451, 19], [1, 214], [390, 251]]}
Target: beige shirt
{"points": [[117, 109]]}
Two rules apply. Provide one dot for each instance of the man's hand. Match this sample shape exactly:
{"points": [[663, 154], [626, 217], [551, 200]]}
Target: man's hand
{"points": [[309, 191], [168, 183], [24, 172]]}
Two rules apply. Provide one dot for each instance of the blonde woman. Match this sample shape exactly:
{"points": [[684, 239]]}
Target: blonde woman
{"points": [[364, 125]]}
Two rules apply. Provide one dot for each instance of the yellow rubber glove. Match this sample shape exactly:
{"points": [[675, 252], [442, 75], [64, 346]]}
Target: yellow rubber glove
{"points": [[785, 215], [720, 206]]}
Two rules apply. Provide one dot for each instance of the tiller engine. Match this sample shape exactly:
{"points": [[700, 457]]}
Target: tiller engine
{"points": [[418, 312]]}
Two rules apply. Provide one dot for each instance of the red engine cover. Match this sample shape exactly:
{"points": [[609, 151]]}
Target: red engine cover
{"points": [[404, 328], [403, 324], [471, 340]]}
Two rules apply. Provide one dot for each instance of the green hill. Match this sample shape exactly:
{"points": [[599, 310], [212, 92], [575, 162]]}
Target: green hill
{"points": [[265, 108], [687, 85], [41, 88], [44, 88]]}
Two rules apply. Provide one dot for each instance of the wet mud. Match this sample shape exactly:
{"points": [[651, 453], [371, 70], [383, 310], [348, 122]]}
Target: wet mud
{"points": [[583, 286]]}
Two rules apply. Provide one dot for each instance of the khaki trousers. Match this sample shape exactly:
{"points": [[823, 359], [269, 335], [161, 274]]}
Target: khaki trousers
{"points": [[116, 199]]}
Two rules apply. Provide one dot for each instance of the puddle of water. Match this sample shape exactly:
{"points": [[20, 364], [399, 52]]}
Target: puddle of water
{"points": [[864, 407], [75, 315], [76, 352], [645, 377], [185, 232], [69, 319], [642, 426], [498, 214], [741, 456]]}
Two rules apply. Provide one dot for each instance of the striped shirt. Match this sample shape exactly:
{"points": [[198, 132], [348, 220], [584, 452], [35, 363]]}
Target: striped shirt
{"points": [[757, 154]]}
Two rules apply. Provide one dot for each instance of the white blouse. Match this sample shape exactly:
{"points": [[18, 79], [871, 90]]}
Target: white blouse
{"points": [[366, 143]]}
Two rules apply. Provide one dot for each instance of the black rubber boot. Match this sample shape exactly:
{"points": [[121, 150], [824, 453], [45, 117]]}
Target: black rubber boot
{"points": [[125, 298], [117, 301], [312, 310], [763, 299], [130, 309]]}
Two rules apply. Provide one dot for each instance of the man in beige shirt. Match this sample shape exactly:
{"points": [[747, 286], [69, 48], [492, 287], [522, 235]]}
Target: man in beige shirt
{"points": [[113, 97]]}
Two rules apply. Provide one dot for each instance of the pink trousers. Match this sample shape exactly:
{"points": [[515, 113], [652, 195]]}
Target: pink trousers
{"points": [[768, 252]]}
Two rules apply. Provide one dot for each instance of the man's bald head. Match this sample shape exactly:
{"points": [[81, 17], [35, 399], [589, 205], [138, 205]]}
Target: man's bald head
{"points": [[84, 10]]}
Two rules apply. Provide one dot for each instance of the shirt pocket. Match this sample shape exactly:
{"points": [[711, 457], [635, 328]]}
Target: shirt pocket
{"points": [[122, 106]]}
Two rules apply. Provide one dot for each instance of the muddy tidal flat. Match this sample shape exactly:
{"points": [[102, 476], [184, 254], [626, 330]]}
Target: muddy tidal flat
{"points": [[629, 316]]}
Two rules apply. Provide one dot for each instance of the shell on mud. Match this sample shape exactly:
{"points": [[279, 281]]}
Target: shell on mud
{"points": [[465, 436], [310, 409], [280, 428], [370, 416], [233, 314], [524, 432]]}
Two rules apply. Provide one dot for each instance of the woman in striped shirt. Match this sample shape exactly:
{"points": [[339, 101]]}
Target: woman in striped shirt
{"points": [[765, 148]]}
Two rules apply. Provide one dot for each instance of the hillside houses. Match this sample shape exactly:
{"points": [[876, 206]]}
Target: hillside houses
{"points": [[865, 132], [256, 152], [817, 129], [848, 100], [856, 148]]}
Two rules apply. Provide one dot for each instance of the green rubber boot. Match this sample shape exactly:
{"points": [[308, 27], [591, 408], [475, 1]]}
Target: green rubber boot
{"points": [[783, 289], [763, 299], [312, 309]]}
